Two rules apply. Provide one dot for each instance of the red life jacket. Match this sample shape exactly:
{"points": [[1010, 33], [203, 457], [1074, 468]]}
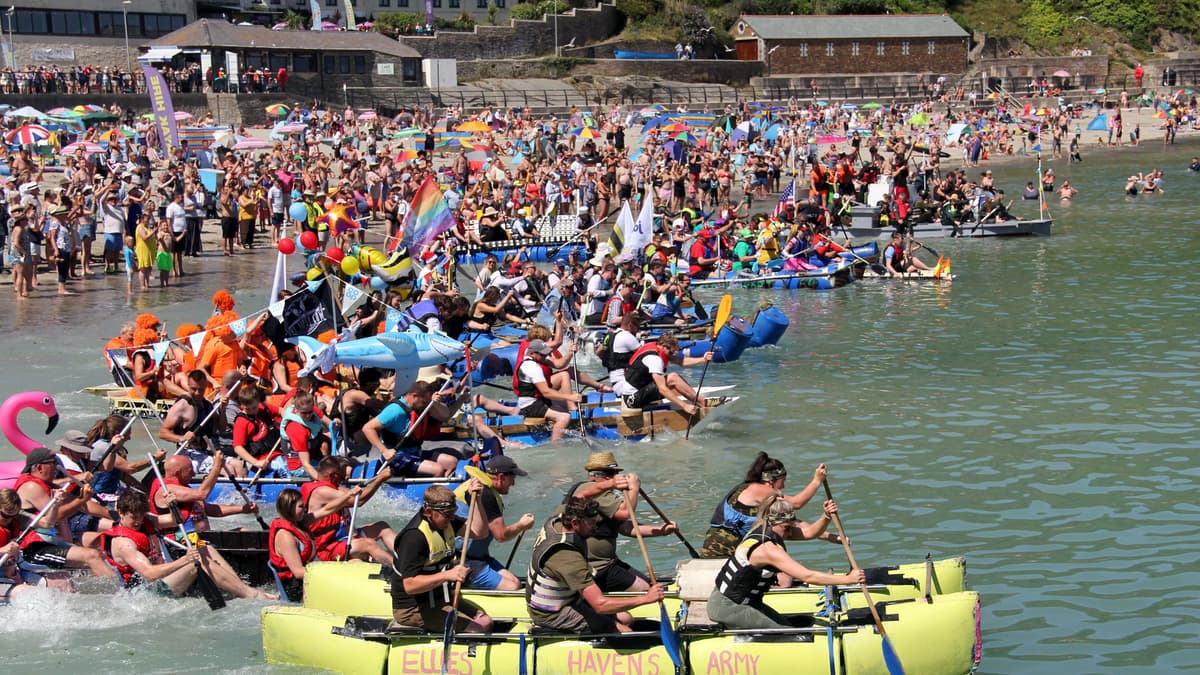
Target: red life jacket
{"points": [[308, 549], [26, 478], [324, 532], [527, 388], [140, 539], [186, 511], [637, 374], [626, 307]]}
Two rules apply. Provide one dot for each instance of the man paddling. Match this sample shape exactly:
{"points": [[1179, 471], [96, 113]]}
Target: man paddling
{"points": [[426, 569], [189, 424], [329, 503], [563, 594], [647, 376], [388, 432], [536, 397], [488, 524], [132, 548], [193, 505], [899, 259], [604, 481]]}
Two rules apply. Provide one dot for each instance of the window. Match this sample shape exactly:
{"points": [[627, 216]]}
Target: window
{"points": [[853, 49], [828, 49], [331, 3], [385, 3], [500, 3], [879, 48], [360, 65], [330, 64], [409, 68], [481, 4], [344, 65], [304, 63], [904, 48], [803, 49], [437, 3], [453, 4], [929, 47], [276, 2], [402, 3], [107, 24]]}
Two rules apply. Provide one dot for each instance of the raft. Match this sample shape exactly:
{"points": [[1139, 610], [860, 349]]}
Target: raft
{"points": [[918, 275], [939, 634], [541, 250]]}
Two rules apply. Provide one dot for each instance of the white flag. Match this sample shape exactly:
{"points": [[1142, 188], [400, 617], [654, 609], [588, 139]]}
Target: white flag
{"points": [[279, 282], [159, 349], [196, 339], [350, 295]]}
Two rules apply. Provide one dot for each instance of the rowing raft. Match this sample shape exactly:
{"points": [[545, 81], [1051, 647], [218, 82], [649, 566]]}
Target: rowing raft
{"points": [[936, 230], [918, 275], [834, 635]]}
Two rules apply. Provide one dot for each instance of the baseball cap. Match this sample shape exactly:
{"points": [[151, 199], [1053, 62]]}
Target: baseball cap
{"points": [[38, 456], [538, 347], [505, 464]]}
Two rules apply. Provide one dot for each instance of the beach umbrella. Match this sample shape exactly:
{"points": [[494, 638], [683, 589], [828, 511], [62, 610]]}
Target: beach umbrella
{"points": [[473, 127], [278, 109], [685, 137], [225, 139], [406, 155], [872, 106], [772, 132], [251, 143], [830, 138], [1062, 73], [279, 26], [651, 110], [26, 112], [123, 131], [849, 106], [676, 127], [62, 112], [919, 120], [368, 115], [408, 133], [1101, 90], [87, 147], [328, 25], [89, 107], [291, 128], [586, 132], [182, 115], [821, 102], [27, 134]]}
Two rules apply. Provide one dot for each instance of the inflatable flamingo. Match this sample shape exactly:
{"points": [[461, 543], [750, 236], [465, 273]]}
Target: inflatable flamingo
{"points": [[9, 410]]}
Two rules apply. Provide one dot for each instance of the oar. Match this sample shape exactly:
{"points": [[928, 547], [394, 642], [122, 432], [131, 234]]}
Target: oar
{"points": [[692, 418], [32, 524], [208, 587], [259, 474], [579, 410], [890, 658], [670, 638], [452, 615], [208, 417], [690, 548], [245, 497], [350, 531], [513, 553]]}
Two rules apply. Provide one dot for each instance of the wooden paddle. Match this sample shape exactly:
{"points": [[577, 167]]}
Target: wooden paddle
{"points": [[690, 548], [890, 658], [670, 638], [452, 615], [245, 497], [208, 587]]}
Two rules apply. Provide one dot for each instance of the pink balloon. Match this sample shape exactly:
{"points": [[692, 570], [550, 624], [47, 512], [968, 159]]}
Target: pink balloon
{"points": [[309, 240], [287, 246], [335, 254]]}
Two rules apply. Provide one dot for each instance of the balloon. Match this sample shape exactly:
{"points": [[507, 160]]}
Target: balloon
{"points": [[350, 265], [314, 274], [286, 246], [378, 284], [339, 219], [335, 254], [298, 211], [309, 240]]}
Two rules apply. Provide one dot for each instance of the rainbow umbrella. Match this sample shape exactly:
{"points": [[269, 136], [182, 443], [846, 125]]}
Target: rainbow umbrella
{"points": [[685, 137], [27, 135], [123, 131], [89, 107], [88, 148], [586, 132], [63, 112], [278, 109], [473, 126]]}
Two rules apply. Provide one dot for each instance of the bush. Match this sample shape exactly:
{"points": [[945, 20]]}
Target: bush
{"points": [[532, 11], [398, 22], [639, 10], [463, 22]]}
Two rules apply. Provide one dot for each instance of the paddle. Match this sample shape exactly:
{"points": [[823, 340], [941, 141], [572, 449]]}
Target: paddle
{"points": [[890, 658], [32, 524], [350, 530], [207, 417], [690, 548], [208, 587], [452, 615], [245, 497], [670, 638], [579, 410], [724, 310], [692, 419], [258, 474], [513, 553]]}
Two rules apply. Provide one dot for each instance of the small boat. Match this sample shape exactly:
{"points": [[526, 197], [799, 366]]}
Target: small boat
{"points": [[833, 275], [544, 249], [918, 275], [832, 628], [936, 230]]}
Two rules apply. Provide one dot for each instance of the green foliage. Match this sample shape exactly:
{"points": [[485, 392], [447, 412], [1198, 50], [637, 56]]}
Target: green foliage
{"points": [[563, 65], [1137, 19], [463, 22], [637, 11], [296, 20], [535, 10], [857, 6], [1043, 23], [398, 22]]}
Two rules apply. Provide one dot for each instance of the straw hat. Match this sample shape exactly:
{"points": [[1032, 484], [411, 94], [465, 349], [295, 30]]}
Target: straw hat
{"points": [[601, 461]]}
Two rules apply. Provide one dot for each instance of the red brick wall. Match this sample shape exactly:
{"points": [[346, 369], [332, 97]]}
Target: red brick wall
{"points": [[949, 56]]}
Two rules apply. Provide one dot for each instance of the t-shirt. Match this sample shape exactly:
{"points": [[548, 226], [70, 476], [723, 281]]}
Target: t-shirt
{"points": [[112, 219], [395, 418], [411, 551], [275, 196], [177, 214], [602, 550], [626, 342], [529, 372], [568, 567]]}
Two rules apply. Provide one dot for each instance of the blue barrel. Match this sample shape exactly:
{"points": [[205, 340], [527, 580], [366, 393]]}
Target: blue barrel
{"points": [[539, 254], [769, 326], [733, 339]]}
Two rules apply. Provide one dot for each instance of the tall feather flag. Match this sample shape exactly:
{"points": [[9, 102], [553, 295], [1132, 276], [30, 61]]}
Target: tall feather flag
{"points": [[616, 240], [638, 236], [315, 8], [429, 215], [1099, 124]]}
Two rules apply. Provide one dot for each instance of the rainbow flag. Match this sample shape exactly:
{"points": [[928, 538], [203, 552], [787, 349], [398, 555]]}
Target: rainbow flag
{"points": [[428, 216]]}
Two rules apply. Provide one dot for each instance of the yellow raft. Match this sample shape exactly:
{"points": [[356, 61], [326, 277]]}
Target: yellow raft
{"points": [[933, 634]]}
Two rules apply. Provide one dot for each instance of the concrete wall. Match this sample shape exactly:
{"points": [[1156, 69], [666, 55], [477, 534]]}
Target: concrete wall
{"points": [[795, 56], [522, 38], [1015, 72], [108, 52]]}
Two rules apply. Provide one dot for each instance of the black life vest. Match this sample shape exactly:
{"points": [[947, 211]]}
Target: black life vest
{"points": [[742, 582], [636, 373]]}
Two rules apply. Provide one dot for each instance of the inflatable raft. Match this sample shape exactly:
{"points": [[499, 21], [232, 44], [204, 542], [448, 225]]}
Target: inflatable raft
{"points": [[536, 250], [934, 634]]}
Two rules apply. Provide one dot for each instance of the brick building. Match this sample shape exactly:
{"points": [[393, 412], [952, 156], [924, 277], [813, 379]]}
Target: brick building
{"points": [[852, 44]]}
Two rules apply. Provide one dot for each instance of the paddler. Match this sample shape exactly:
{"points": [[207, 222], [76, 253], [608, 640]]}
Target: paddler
{"points": [[898, 259], [604, 479], [489, 525], [46, 545], [304, 440], [737, 600], [618, 347], [256, 433], [426, 568], [193, 501], [189, 425], [132, 548], [536, 397], [647, 375], [329, 504], [734, 516], [290, 546], [562, 594], [388, 433]]}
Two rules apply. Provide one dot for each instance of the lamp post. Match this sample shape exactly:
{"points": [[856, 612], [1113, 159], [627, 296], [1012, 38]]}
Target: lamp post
{"points": [[12, 46], [125, 22], [555, 5]]}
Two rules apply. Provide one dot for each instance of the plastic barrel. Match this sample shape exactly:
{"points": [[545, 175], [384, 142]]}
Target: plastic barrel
{"points": [[769, 326], [732, 340]]}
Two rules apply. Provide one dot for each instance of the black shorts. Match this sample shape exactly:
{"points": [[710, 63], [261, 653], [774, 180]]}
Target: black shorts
{"points": [[46, 554], [647, 395], [618, 576], [229, 227], [538, 408], [277, 219]]}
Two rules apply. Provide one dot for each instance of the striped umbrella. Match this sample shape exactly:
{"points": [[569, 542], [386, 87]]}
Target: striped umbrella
{"points": [[251, 144], [87, 147], [290, 128], [278, 109], [368, 115], [586, 132], [89, 107], [27, 135], [63, 112], [409, 132], [123, 131]]}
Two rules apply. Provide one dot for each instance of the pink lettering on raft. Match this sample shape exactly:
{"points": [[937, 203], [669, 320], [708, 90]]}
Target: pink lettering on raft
{"points": [[583, 661], [730, 662]]}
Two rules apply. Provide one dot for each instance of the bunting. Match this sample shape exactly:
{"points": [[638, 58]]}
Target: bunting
{"points": [[195, 340]]}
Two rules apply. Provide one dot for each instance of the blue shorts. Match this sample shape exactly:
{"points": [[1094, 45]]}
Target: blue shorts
{"points": [[113, 243], [87, 231], [485, 574], [277, 219]]}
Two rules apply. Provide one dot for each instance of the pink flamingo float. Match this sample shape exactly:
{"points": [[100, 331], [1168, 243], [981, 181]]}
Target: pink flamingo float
{"points": [[9, 410]]}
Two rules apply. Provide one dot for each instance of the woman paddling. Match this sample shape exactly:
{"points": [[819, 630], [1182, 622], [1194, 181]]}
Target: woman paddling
{"points": [[751, 570], [735, 515], [289, 544]]}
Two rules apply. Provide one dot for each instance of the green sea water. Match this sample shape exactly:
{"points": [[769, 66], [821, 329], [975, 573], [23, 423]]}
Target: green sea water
{"points": [[1038, 416]]}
